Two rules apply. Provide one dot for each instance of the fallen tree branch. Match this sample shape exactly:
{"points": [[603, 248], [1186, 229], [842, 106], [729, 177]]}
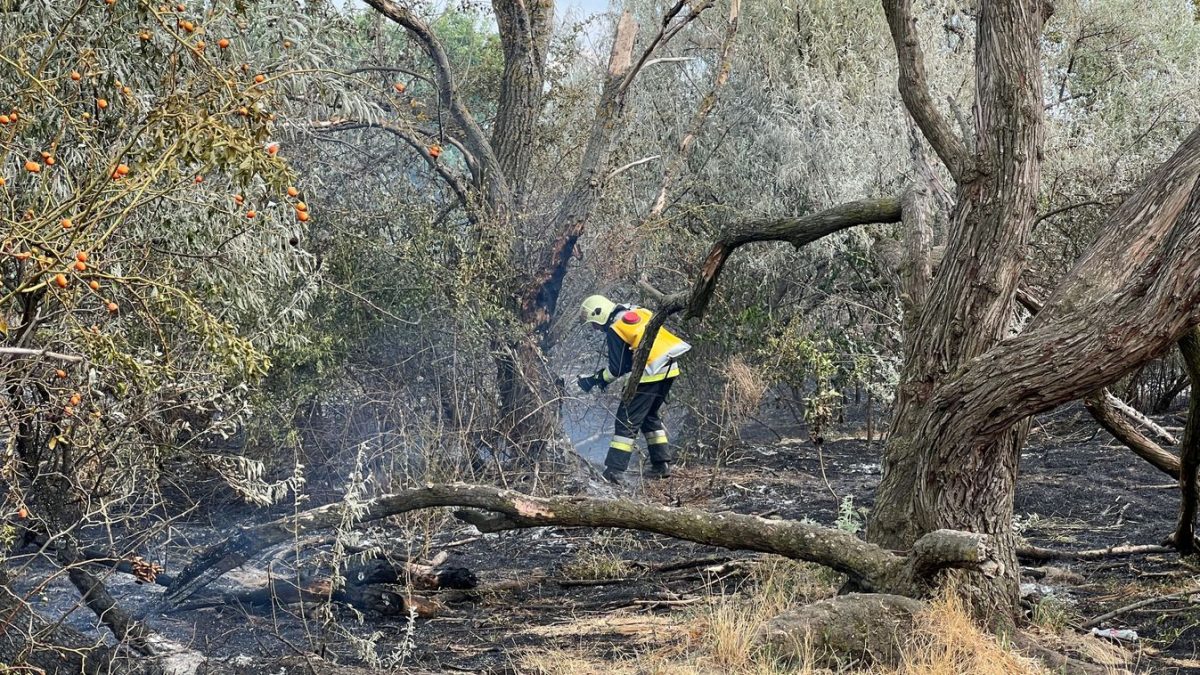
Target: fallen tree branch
{"points": [[1039, 554], [1099, 405], [868, 565]]}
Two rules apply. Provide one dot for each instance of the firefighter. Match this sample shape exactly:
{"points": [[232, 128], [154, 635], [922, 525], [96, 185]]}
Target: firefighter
{"points": [[623, 326]]}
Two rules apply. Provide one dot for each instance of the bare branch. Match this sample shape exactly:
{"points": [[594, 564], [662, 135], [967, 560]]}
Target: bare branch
{"points": [[499, 196], [637, 162], [22, 351], [914, 88], [422, 148], [707, 104], [799, 231]]}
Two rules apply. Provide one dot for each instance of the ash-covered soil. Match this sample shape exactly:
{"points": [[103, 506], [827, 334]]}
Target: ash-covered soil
{"points": [[610, 593]]}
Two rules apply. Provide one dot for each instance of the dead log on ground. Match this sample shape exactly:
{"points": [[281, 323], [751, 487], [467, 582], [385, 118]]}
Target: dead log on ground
{"points": [[1039, 554], [867, 628], [869, 566]]}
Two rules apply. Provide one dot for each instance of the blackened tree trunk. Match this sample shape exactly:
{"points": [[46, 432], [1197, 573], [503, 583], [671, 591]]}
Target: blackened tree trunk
{"points": [[1189, 456], [529, 285]]}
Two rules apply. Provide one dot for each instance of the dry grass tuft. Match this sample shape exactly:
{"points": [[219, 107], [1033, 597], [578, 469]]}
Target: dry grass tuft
{"points": [[949, 643]]}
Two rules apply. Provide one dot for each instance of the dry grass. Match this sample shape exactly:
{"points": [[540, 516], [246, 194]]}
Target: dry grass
{"points": [[949, 643], [719, 638]]}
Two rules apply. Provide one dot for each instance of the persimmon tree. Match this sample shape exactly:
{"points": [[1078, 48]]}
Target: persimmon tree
{"points": [[147, 268]]}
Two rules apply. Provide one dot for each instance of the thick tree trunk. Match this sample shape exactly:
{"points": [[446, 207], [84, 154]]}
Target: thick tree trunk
{"points": [[969, 309], [526, 27]]}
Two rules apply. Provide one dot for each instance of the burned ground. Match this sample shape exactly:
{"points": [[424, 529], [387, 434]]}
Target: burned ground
{"points": [[614, 594]]}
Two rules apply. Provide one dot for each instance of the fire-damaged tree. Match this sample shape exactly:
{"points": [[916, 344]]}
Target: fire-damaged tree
{"points": [[528, 279]]}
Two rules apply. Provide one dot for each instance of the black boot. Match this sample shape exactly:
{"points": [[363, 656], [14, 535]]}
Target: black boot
{"points": [[613, 476], [658, 471]]}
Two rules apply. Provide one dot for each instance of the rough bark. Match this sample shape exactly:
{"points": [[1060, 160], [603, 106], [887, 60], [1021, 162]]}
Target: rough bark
{"points": [[1184, 538], [872, 567], [970, 303], [525, 29], [914, 88]]}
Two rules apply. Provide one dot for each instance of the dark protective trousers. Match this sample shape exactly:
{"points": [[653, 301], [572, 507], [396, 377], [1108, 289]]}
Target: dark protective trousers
{"points": [[641, 414]]}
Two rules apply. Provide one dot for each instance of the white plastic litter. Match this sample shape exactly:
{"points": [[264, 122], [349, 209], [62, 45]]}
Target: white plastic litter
{"points": [[1120, 634]]}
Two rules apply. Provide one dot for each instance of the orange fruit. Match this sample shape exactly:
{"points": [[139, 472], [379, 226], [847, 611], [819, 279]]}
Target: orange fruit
{"points": [[82, 256], [302, 216], [75, 75], [49, 161], [400, 87], [94, 285], [12, 115], [2, 181], [223, 43], [273, 149], [5, 119], [251, 213], [292, 191], [111, 307], [60, 280], [243, 111], [60, 374], [287, 44], [75, 399], [179, 7], [66, 223], [238, 198], [23, 256], [260, 78], [33, 167], [199, 179], [80, 266], [200, 45], [122, 169], [435, 151], [22, 513], [101, 103], [126, 90], [144, 35], [301, 206]]}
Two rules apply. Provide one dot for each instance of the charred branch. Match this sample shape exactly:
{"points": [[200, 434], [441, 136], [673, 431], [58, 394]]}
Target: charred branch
{"points": [[1184, 538]]}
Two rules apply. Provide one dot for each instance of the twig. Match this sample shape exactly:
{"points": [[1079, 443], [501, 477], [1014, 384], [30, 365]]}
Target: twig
{"points": [[1096, 621], [23, 351]]}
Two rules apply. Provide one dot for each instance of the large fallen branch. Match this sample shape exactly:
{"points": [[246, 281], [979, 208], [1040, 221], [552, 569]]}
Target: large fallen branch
{"points": [[868, 566]]}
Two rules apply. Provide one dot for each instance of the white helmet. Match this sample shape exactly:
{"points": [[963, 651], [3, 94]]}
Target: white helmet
{"points": [[596, 309]]}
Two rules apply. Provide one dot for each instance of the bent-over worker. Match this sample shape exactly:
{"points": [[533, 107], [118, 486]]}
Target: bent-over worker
{"points": [[623, 326]]}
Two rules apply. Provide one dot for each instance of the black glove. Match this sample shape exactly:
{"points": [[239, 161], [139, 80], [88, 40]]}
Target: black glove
{"points": [[587, 382]]}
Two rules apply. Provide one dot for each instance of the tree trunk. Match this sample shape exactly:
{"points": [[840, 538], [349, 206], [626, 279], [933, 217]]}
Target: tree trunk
{"points": [[1189, 456], [970, 305]]}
